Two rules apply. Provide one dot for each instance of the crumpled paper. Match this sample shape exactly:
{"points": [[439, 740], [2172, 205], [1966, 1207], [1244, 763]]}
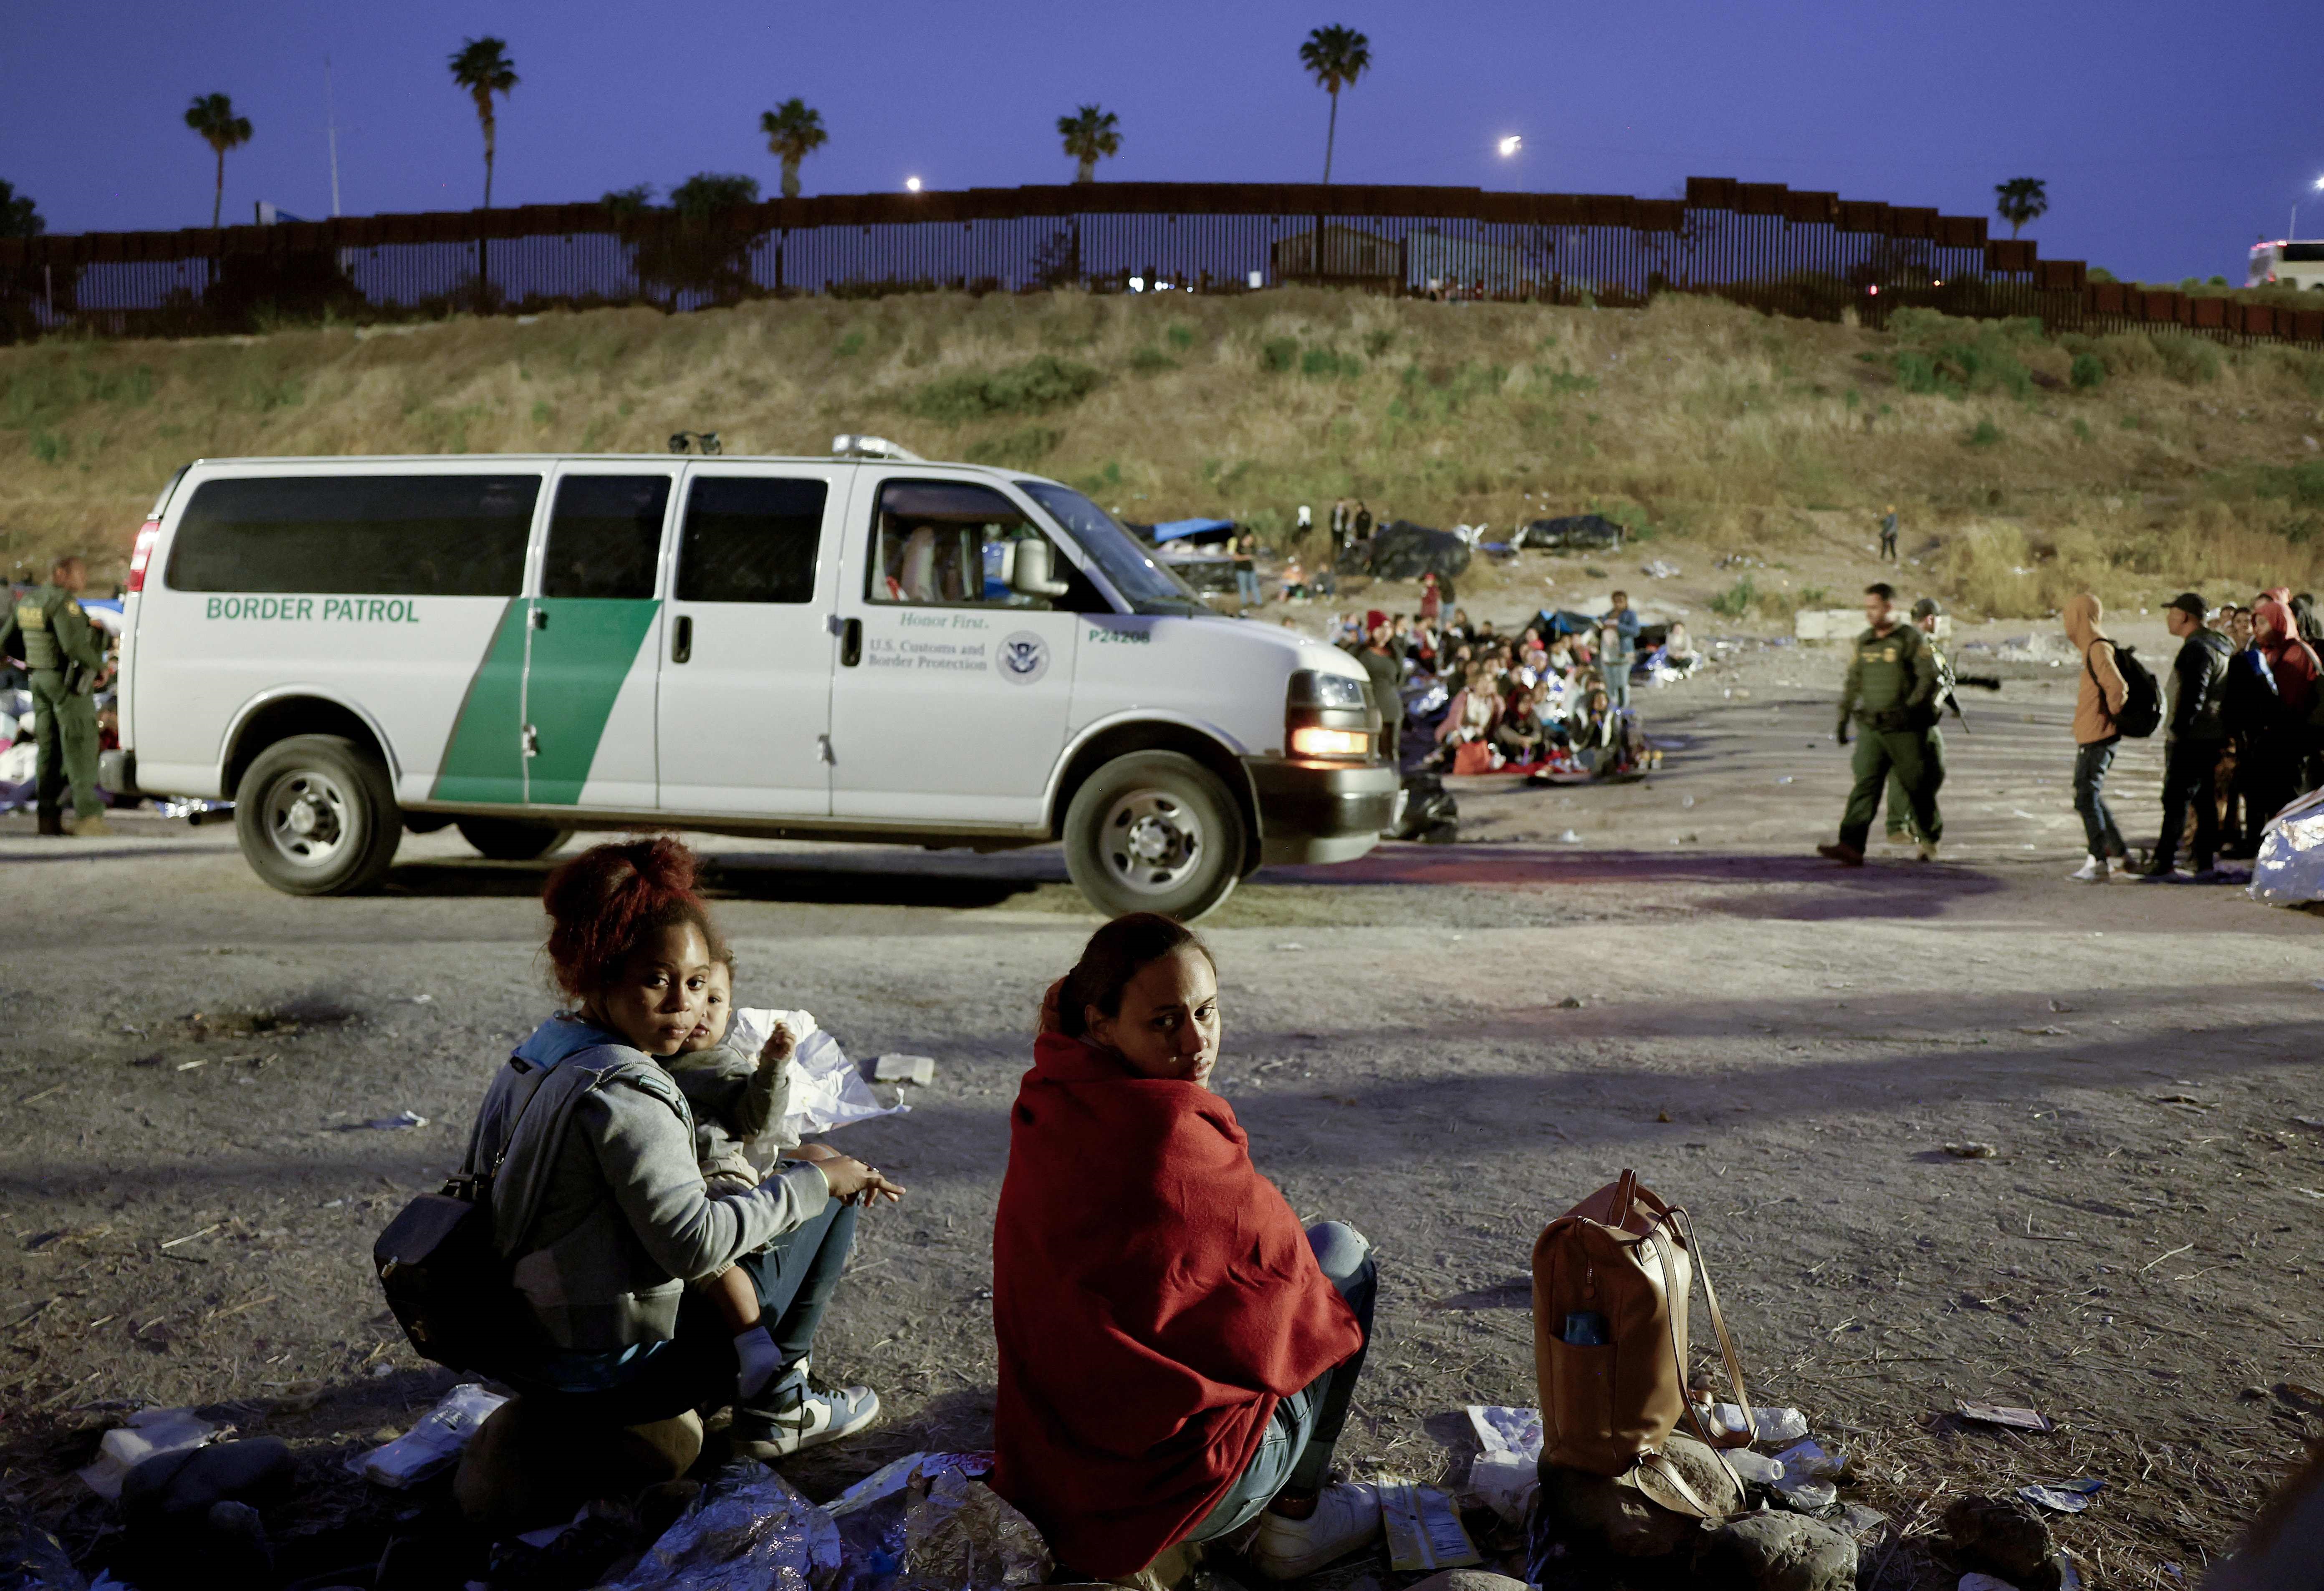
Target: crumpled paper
{"points": [[826, 1091], [750, 1531]]}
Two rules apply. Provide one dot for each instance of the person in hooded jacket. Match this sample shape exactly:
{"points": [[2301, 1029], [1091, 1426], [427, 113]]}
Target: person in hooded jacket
{"points": [[599, 1201], [2102, 695], [2283, 752], [2195, 732]]}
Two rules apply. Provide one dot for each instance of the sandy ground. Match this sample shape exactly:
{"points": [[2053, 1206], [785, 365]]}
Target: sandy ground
{"points": [[187, 1205]]}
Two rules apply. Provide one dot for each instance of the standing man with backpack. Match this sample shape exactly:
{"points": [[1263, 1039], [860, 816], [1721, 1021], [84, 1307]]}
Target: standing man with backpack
{"points": [[2192, 744], [1891, 688], [2100, 709]]}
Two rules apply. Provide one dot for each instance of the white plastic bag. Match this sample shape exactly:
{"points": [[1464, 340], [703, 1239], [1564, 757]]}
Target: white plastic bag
{"points": [[149, 1432], [1506, 1471], [2289, 867], [750, 1531], [433, 1443], [826, 1091]]}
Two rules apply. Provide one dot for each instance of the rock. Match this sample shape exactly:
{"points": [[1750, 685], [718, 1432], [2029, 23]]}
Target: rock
{"points": [[1467, 1580], [526, 1467], [2005, 1537], [1595, 1514], [1776, 1552], [171, 1488]]}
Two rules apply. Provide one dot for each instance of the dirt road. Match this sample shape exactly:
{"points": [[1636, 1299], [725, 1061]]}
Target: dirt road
{"points": [[186, 1204]]}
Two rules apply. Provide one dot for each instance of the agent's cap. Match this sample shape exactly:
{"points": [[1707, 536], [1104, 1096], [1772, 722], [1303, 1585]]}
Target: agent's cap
{"points": [[2188, 601], [1928, 608]]}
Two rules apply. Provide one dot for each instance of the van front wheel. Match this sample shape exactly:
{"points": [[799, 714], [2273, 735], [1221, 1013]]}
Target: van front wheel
{"points": [[1154, 832], [316, 814]]}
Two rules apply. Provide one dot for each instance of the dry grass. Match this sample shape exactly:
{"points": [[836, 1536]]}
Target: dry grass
{"points": [[1733, 431]]}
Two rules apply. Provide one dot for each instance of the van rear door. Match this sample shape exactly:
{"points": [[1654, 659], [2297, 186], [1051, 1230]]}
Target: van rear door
{"points": [[747, 648], [589, 682]]}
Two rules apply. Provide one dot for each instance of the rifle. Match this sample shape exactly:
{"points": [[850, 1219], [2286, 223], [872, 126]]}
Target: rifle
{"points": [[1984, 682]]}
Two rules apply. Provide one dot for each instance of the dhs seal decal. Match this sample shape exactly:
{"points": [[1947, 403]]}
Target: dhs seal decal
{"points": [[1022, 659]]}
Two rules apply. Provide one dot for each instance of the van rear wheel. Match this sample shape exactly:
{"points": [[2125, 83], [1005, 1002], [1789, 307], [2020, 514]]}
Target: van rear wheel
{"points": [[513, 839], [316, 814], [1154, 832]]}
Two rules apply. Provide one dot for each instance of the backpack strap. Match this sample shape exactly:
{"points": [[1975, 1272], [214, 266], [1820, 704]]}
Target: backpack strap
{"points": [[1674, 1295]]}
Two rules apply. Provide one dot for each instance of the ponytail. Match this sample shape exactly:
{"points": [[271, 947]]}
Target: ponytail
{"points": [[1115, 954], [610, 899]]}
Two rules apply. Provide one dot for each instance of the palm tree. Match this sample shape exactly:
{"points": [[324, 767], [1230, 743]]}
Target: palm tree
{"points": [[482, 68], [2021, 199], [1335, 56], [212, 115], [794, 132], [1090, 135]]}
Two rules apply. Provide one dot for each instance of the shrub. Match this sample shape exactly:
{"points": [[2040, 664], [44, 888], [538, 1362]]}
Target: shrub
{"points": [[1277, 355], [1956, 356], [1181, 336], [1736, 601], [1035, 386], [2089, 373], [1151, 361], [1324, 362], [2189, 361], [1985, 435], [850, 345], [1021, 449]]}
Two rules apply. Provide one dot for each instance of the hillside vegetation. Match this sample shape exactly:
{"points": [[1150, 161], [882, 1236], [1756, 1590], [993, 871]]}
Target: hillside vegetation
{"points": [[2024, 467]]}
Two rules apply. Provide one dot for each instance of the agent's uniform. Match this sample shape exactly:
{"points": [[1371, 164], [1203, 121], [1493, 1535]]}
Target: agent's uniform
{"points": [[65, 658], [1900, 799], [1891, 693]]}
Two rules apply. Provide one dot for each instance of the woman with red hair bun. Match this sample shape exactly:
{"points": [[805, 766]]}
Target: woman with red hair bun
{"points": [[599, 1202]]}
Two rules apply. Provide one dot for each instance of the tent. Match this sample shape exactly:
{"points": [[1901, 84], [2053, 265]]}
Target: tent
{"points": [[1402, 550], [1193, 530]]}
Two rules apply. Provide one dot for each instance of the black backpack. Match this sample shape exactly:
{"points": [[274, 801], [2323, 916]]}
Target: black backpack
{"points": [[2142, 704], [441, 1265]]}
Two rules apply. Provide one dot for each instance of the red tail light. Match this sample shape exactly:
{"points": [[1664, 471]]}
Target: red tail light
{"points": [[142, 554]]}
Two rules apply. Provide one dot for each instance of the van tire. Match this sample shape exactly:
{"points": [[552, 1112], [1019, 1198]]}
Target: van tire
{"points": [[511, 839], [1154, 832], [316, 814]]}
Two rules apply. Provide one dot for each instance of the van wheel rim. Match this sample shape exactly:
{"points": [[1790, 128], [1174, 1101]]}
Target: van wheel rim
{"points": [[1152, 841], [307, 816]]}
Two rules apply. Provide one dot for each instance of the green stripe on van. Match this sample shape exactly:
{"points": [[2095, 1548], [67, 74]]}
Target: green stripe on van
{"points": [[483, 760], [580, 658]]}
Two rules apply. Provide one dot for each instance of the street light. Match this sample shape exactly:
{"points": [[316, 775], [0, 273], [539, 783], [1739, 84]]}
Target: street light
{"points": [[1510, 145], [2293, 230], [911, 185]]}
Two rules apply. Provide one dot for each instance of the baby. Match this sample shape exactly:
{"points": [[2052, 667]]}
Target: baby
{"points": [[737, 1100]]}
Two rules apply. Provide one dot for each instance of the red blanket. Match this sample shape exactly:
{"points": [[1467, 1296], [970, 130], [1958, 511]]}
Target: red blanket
{"points": [[1153, 1297]]}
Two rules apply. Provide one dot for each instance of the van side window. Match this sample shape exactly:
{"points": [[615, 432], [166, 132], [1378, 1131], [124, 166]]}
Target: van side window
{"points": [[356, 535], [750, 538], [604, 536], [945, 544]]}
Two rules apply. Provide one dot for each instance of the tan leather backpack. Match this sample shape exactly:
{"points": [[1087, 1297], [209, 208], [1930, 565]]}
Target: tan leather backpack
{"points": [[1609, 1332]]}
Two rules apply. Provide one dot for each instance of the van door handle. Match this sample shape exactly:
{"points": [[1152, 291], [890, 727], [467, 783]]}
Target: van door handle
{"points": [[851, 643], [539, 616], [681, 639]]}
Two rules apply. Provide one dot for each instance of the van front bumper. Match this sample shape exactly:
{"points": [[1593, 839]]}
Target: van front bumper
{"points": [[1321, 812]]}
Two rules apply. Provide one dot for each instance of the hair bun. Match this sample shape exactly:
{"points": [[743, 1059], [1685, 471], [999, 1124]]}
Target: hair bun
{"points": [[662, 863]]}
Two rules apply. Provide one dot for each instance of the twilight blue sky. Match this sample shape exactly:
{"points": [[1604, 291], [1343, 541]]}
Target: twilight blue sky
{"points": [[2171, 138]]}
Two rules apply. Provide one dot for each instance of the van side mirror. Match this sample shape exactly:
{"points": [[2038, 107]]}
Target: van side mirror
{"points": [[1029, 570]]}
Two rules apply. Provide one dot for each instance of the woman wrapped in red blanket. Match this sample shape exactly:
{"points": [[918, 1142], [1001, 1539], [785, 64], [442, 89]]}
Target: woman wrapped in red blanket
{"points": [[1176, 1354]]}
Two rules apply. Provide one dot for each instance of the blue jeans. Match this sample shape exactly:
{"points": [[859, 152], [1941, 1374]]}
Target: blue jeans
{"points": [[1247, 587], [1616, 673], [2090, 765], [1296, 1453], [796, 1276]]}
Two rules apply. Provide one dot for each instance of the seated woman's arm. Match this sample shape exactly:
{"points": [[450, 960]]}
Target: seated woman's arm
{"points": [[647, 1156]]}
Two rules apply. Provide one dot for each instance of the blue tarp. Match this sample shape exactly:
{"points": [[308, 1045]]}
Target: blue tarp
{"points": [[1179, 529]]}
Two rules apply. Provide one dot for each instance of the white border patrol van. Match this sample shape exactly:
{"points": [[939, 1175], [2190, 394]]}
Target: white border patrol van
{"points": [[857, 647]]}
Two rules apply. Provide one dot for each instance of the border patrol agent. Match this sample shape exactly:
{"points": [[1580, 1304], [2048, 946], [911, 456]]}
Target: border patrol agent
{"points": [[1925, 614], [67, 663], [1891, 693]]}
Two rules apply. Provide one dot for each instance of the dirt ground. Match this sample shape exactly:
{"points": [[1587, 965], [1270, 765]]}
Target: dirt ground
{"points": [[187, 1202]]}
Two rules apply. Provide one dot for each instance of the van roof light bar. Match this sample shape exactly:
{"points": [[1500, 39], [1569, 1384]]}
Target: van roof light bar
{"points": [[850, 445]]}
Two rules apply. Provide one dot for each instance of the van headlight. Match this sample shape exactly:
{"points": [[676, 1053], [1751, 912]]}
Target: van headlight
{"points": [[1330, 716]]}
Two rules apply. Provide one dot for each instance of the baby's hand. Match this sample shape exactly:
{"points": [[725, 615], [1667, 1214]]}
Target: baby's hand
{"points": [[778, 1048]]}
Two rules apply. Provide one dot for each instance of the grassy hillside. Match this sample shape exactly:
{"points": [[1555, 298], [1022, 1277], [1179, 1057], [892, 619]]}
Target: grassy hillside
{"points": [[2024, 468]]}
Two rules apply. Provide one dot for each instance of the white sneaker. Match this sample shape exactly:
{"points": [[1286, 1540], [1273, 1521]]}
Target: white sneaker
{"points": [[2093, 870], [794, 1416], [1347, 1516], [1927, 852]]}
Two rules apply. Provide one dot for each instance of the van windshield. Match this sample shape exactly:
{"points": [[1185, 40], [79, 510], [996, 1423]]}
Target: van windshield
{"points": [[1145, 584]]}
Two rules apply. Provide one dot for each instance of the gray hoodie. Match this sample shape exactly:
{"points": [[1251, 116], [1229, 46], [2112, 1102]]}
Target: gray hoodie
{"points": [[736, 1104], [607, 1219]]}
